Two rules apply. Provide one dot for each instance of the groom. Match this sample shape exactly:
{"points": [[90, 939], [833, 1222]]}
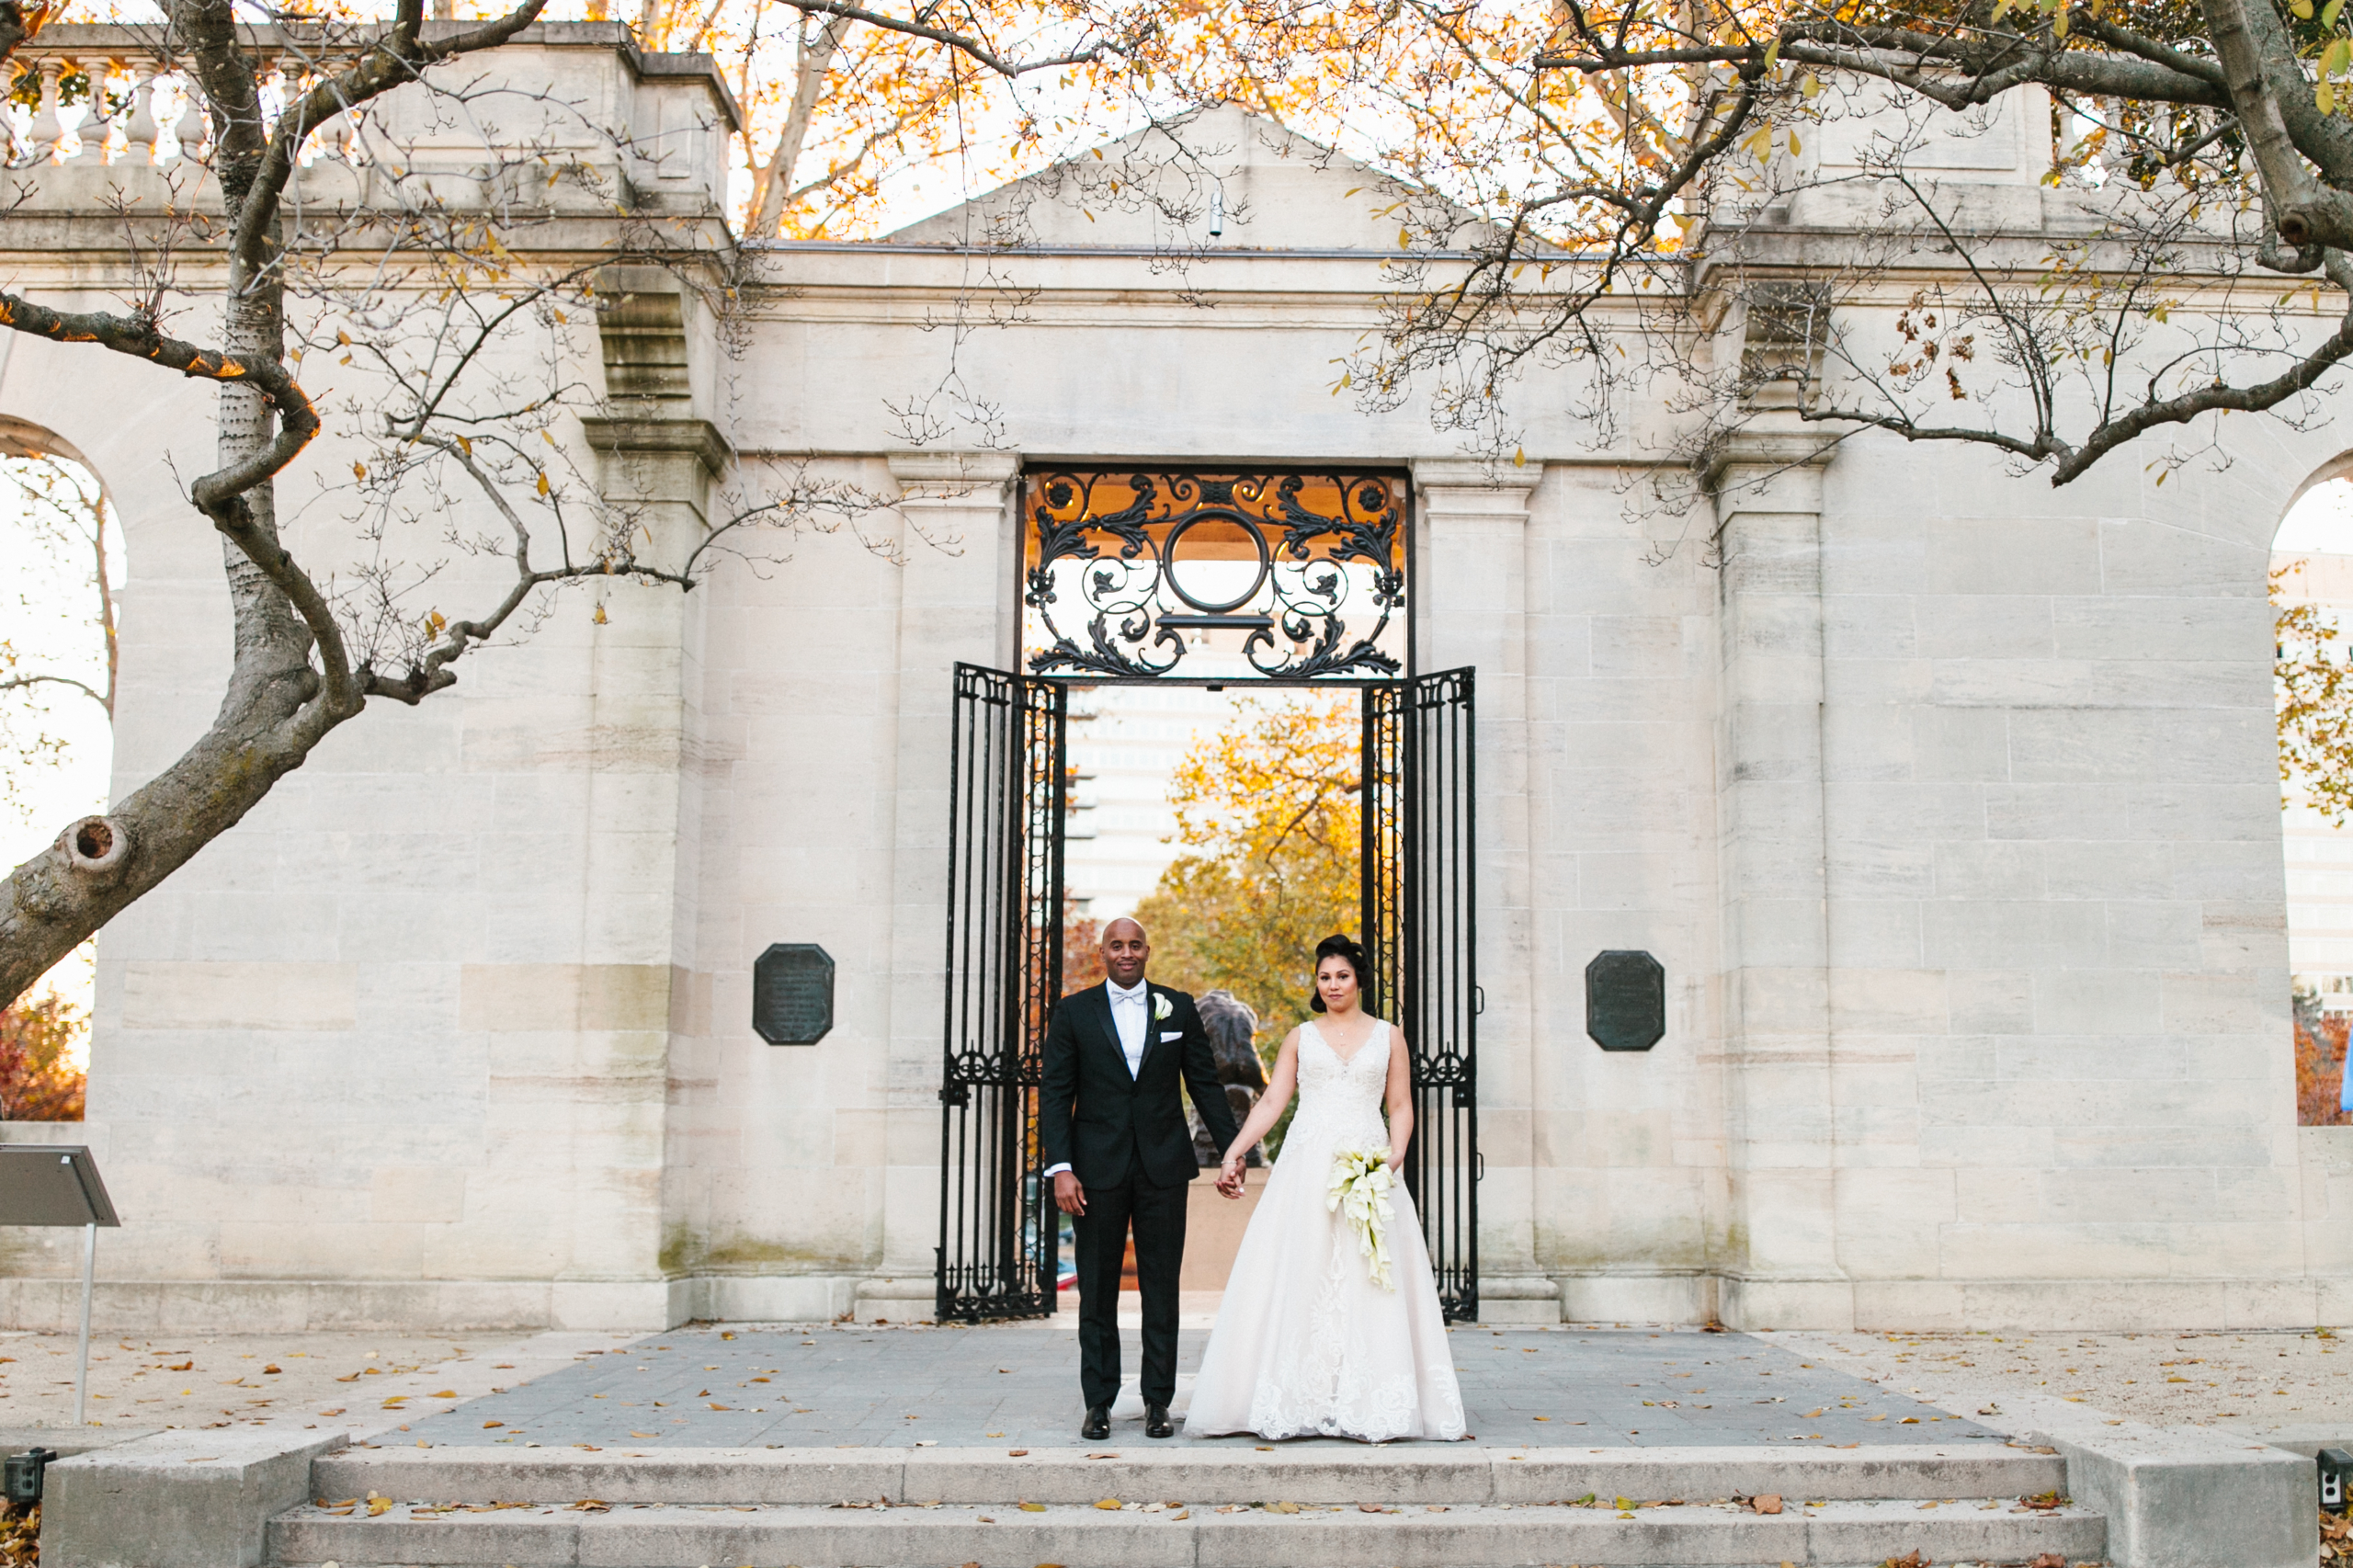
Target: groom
{"points": [[1112, 1128]]}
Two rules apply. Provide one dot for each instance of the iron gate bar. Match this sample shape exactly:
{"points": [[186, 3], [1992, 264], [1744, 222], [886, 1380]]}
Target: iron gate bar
{"points": [[1006, 785], [1381, 875], [1439, 932]]}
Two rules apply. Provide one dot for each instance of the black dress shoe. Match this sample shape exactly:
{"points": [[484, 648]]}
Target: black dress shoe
{"points": [[1098, 1422], [1156, 1423]]}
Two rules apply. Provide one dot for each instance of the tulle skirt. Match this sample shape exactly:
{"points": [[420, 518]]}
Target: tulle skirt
{"points": [[1306, 1343]]}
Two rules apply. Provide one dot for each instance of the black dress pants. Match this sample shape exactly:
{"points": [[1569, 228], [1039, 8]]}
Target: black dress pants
{"points": [[1158, 1216]]}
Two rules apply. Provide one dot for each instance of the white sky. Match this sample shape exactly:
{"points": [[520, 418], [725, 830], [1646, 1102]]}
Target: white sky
{"points": [[2322, 519], [45, 614]]}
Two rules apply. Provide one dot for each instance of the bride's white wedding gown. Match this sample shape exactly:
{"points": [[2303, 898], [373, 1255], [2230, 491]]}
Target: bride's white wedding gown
{"points": [[1306, 1344]]}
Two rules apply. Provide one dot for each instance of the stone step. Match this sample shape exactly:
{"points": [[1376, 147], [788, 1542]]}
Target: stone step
{"points": [[656, 1535], [1405, 1474]]}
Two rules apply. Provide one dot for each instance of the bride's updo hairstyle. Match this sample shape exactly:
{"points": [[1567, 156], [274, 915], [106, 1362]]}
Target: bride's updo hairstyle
{"points": [[1338, 947]]}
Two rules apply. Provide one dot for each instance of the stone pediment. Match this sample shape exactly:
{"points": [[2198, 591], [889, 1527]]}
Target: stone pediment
{"points": [[1219, 179]]}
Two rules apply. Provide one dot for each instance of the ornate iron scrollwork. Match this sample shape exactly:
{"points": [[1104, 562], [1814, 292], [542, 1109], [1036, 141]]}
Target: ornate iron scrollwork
{"points": [[1120, 565]]}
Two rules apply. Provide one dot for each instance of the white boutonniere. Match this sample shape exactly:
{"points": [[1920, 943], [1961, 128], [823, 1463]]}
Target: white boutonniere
{"points": [[1160, 1007]]}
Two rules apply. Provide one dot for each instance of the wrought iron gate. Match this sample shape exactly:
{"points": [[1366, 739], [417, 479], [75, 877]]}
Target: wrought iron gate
{"points": [[1006, 785], [1420, 932]]}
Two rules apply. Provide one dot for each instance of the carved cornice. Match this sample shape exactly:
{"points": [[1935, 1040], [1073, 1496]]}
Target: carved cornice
{"points": [[924, 474], [642, 436], [1778, 451]]}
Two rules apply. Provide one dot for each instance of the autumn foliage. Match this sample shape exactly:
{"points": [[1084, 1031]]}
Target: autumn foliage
{"points": [[37, 1079], [2314, 687], [1270, 815], [2320, 1066]]}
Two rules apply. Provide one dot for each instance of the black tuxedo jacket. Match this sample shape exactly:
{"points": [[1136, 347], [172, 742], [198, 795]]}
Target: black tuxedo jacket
{"points": [[1105, 1124]]}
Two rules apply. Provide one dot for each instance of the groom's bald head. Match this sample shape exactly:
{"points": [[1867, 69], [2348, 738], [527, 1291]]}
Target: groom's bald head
{"points": [[1126, 949]]}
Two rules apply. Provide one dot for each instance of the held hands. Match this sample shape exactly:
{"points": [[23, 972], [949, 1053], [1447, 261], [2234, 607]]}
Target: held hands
{"points": [[1230, 1177]]}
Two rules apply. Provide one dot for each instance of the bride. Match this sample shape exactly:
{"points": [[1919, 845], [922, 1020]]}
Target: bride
{"points": [[1311, 1342]]}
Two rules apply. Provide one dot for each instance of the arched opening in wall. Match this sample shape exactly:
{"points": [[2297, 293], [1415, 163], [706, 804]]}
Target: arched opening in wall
{"points": [[62, 548], [2311, 595]]}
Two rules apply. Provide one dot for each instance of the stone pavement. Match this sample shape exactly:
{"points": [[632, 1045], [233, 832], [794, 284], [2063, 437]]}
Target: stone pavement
{"points": [[721, 1387]]}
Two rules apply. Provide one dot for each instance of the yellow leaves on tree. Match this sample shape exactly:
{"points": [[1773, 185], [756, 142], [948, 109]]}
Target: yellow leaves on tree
{"points": [[2315, 691], [1270, 818], [37, 1079]]}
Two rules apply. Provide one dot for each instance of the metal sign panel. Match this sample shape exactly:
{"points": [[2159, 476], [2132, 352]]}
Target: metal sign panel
{"points": [[1625, 1000], [52, 1184], [792, 994]]}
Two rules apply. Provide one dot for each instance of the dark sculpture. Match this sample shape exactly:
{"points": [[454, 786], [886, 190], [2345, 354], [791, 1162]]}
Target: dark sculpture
{"points": [[1234, 1035]]}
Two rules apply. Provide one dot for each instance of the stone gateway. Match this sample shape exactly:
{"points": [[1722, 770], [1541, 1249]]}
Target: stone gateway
{"points": [[1945, 801]]}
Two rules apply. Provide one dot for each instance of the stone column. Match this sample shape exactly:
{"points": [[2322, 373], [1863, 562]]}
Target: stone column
{"points": [[1781, 1268], [1471, 569], [956, 602]]}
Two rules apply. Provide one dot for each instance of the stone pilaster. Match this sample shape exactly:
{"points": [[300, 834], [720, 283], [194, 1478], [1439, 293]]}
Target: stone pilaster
{"points": [[955, 603], [1782, 1266], [1470, 584], [656, 462]]}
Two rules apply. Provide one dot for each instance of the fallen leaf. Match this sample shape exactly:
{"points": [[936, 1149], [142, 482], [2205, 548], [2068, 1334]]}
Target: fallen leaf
{"points": [[1768, 1504], [444, 1393], [273, 1368], [1017, 1453], [592, 1506], [1033, 1507], [642, 1433], [488, 1424], [1282, 1507], [1112, 1504], [181, 1365]]}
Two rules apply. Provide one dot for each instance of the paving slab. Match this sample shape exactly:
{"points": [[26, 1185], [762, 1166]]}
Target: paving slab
{"points": [[861, 1386]]}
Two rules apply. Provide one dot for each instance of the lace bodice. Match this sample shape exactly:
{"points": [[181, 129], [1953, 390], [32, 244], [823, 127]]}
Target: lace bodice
{"points": [[1342, 1098]]}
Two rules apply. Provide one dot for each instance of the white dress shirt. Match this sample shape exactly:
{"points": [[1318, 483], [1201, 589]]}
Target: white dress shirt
{"points": [[1131, 1016], [1131, 1012]]}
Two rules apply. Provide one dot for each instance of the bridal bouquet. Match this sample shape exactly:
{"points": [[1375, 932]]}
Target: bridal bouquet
{"points": [[1359, 1191]]}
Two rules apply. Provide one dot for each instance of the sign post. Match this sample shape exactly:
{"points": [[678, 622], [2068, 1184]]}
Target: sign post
{"points": [[57, 1184]]}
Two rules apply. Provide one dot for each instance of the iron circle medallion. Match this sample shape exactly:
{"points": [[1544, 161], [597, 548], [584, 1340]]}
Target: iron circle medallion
{"points": [[1173, 549]]}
